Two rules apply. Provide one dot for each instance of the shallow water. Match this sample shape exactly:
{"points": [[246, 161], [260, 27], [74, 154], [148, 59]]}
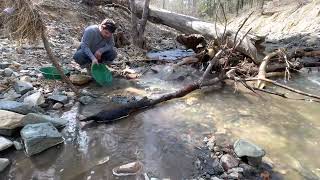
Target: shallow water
{"points": [[164, 137]]}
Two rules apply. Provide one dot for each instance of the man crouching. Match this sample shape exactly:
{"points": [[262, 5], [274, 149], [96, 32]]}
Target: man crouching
{"points": [[97, 45]]}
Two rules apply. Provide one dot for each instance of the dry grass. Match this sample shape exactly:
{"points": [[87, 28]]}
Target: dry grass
{"points": [[25, 23]]}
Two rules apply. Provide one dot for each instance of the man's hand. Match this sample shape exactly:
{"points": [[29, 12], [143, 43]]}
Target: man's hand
{"points": [[98, 54], [95, 61]]}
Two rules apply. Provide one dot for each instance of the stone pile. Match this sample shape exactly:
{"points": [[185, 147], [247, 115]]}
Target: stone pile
{"points": [[242, 160]]}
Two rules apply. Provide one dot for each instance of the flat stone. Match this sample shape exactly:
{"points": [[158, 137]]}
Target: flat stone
{"points": [[228, 162], [8, 72], [11, 95], [22, 87], [33, 118], [4, 163], [79, 79], [59, 98], [39, 137], [5, 143], [34, 99], [246, 148], [18, 107]]}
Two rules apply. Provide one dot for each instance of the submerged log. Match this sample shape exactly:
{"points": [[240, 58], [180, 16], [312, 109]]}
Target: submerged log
{"points": [[111, 115]]}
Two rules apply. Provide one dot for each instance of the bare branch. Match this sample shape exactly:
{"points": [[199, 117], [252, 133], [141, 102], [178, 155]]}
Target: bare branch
{"points": [[244, 22], [284, 87]]}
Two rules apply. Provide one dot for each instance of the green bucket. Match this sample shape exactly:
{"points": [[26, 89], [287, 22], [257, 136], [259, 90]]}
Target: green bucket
{"points": [[52, 73], [101, 74]]}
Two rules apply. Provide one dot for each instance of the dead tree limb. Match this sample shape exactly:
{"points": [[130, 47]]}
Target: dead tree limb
{"points": [[284, 87], [262, 69]]}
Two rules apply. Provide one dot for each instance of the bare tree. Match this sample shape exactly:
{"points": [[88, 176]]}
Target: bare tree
{"points": [[138, 25]]}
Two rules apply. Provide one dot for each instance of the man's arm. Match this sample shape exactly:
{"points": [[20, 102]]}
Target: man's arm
{"points": [[109, 45], [85, 44]]}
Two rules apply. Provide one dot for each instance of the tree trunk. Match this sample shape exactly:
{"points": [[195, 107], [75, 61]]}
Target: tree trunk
{"points": [[138, 25]]}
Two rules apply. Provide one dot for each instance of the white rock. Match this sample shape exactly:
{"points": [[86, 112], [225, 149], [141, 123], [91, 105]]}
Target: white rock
{"points": [[34, 99], [3, 163], [57, 106], [5, 143]]}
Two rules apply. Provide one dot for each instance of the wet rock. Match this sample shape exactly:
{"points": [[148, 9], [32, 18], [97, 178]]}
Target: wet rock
{"points": [[4, 65], [246, 149], [4, 163], [57, 106], [248, 171], [215, 178], [234, 175], [228, 162], [237, 169], [86, 100], [211, 143], [17, 145], [34, 99], [8, 72], [22, 87], [11, 95], [59, 98], [218, 169], [18, 107], [79, 79], [25, 78], [5, 143], [39, 137], [33, 118], [9, 121]]}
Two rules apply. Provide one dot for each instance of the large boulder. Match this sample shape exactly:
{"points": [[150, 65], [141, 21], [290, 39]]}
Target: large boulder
{"points": [[18, 107], [22, 87], [3, 163], [5, 143], [250, 151], [39, 137]]}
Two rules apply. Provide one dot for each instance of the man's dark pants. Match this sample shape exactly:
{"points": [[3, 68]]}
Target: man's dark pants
{"points": [[83, 60]]}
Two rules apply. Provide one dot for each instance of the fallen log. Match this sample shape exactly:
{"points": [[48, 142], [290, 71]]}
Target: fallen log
{"points": [[191, 25]]}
